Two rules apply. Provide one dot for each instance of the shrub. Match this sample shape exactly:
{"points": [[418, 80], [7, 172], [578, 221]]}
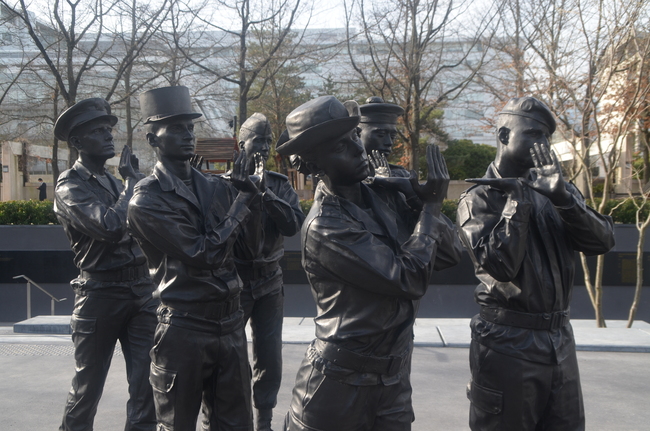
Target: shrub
{"points": [[27, 212], [305, 205]]}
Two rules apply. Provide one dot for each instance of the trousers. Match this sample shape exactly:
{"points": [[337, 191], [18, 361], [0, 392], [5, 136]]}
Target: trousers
{"points": [[322, 403], [265, 314], [513, 394], [200, 364], [97, 324]]}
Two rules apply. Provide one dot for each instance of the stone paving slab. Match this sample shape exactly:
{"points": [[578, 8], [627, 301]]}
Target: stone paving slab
{"points": [[44, 325]]}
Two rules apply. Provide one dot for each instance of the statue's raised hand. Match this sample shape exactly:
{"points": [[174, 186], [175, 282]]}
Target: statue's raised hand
{"points": [[129, 164], [240, 177], [196, 161], [547, 176], [435, 188], [379, 164]]}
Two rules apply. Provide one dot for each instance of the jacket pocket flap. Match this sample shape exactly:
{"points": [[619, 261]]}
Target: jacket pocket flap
{"points": [[161, 379], [488, 400], [83, 325]]}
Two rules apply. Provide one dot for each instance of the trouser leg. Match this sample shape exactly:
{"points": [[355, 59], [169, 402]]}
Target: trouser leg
{"points": [[565, 410], [507, 393], [136, 341], [96, 324], [266, 324], [177, 370], [227, 391]]}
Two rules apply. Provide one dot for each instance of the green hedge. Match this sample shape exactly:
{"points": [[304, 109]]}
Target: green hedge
{"points": [[27, 212]]}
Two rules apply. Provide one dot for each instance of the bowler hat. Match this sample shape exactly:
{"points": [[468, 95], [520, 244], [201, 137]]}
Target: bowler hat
{"points": [[313, 123], [81, 113], [165, 103], [257, 124], [377, 111], [531, 108]]}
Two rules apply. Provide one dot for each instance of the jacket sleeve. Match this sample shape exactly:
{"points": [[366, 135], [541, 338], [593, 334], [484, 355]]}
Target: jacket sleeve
{"points": [[171, 231], [450, 248], [494, 230], [284, 208], [82, 210], [342, 250], [590, 232]]}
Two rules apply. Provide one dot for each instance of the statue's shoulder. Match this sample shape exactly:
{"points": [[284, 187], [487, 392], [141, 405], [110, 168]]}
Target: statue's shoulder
{"points": [[277, 175]]}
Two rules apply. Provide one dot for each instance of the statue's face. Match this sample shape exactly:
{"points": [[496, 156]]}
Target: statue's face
{"points": [[345, 161], [174, 138], [524, 132], [94, 139], [378, 136], [254, 144]]}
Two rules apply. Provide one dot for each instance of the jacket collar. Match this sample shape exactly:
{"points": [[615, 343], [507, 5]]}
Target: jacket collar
{"points": [[171, 183], [383, 223], [86, 175]]}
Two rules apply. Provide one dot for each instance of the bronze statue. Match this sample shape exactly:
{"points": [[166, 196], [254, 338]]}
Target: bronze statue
{"points": [[522, 224], [377, 131], [368, 263], [262, 297], [113, 298], [187, 223]]}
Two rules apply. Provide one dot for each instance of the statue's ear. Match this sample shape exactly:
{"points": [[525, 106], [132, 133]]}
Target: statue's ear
{"points": [[75, 142], [240, 144], [152, 139], [504, 135]]}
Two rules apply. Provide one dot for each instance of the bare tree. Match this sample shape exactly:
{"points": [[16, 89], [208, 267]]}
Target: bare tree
{"points": [[221, 50], [73, 45], [417, 54]]}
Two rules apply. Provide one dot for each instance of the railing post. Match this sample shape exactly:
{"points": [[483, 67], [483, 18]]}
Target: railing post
{"points": [[52, 306], [29, 300]]}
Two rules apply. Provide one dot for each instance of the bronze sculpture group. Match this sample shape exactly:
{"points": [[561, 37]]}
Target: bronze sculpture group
{"points": [[175, 266]]}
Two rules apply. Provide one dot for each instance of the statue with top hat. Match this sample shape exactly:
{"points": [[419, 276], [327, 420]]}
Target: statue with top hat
{"points": [[187, 223]]}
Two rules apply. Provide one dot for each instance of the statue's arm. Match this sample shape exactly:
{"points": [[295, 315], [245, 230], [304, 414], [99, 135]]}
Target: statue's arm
{"points": [[169, 229], [494, 230], [81, 209], [344, 251], [284, 209], [590, 232]]}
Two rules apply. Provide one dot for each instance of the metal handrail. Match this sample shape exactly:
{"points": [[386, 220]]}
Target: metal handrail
{"points": [[29, 295]]}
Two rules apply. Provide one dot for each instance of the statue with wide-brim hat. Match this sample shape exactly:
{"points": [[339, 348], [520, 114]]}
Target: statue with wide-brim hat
{"points": [[313, 123]]}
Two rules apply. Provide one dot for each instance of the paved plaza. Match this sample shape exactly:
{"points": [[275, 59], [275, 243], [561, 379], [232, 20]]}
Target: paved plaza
{"points": [[36, 370]]}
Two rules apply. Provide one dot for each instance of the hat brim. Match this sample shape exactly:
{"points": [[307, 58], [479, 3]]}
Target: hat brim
{"points": [[188, 116], [59, 126], [310, 138]]}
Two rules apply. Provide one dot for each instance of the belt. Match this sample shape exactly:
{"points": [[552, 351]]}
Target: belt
{"points": [[387, 365], [546, 321], [210, 310], [251, 272], [129, 273]]}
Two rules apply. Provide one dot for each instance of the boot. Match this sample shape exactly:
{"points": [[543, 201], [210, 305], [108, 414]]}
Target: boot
{"points": [[263, 420]]}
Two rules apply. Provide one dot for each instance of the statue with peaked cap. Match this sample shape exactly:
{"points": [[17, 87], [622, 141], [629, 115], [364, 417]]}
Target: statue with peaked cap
{"points": [[113, 298], [522, 224], [368, 264], [278, 215], [187, 223], [377, 131]]}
